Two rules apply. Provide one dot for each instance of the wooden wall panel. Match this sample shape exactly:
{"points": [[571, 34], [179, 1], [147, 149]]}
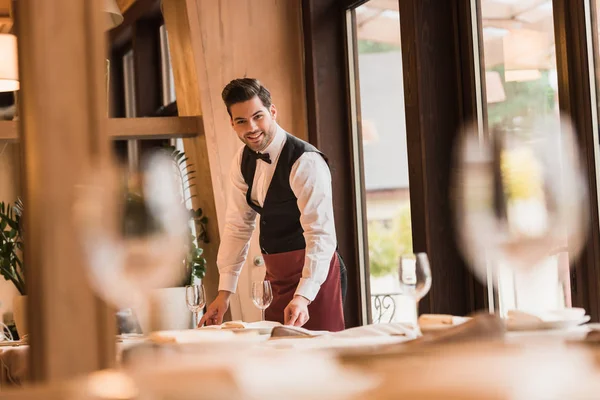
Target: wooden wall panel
{"points": [[230, 39], [188, 103]]}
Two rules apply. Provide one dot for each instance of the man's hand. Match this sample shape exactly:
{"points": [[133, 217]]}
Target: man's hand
{"points": [[216, 310], [296, 313]]}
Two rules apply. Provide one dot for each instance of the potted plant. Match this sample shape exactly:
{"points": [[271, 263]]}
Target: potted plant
{"points": [[195, 263], [11, 263]]}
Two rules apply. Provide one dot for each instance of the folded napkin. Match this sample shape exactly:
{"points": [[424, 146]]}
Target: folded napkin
{"points": [[566, 314], [391, 329], [250, 325], [239, 325], [440, 320], [481, 327], [295, 331], [190, 336]]}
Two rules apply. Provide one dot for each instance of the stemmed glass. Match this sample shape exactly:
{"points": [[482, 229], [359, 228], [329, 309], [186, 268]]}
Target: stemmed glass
{"points": [[195, 299], [519, 195], [262, 295], [414, 275], [133, 228]]}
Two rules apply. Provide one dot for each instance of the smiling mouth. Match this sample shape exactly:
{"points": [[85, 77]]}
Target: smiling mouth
{"points": [[254, 137]]}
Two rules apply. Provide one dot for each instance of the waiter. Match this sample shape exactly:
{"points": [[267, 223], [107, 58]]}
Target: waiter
{"points": [[288, 183]]}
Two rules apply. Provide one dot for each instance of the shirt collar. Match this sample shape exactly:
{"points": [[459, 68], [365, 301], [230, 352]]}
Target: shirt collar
{"points": [[274, 148]]}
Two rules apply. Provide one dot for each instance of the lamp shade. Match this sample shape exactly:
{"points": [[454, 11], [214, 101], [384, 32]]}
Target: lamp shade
{"points": [[113, 14], [9, 67]]}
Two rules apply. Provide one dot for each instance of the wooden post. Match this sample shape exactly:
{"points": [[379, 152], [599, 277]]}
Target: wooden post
{"points": [[188, 104], [62, 121]]}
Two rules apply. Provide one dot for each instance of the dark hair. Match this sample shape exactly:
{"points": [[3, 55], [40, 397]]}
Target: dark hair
{"points": [[244, 89]]}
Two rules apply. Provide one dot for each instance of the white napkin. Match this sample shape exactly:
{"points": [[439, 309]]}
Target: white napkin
{"points": [[391, 329], [566, 314], [249, 325], [190, 336], [434, 322]]}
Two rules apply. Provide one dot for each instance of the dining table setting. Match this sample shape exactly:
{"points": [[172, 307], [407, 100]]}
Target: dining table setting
{"points": [[512, 353], [481, 356]]}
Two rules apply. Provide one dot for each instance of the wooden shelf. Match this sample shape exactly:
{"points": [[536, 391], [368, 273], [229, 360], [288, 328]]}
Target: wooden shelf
{"points": [[132, 128]]}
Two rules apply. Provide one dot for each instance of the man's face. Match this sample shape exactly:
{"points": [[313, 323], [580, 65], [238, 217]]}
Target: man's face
{"points": [[254, 123]]}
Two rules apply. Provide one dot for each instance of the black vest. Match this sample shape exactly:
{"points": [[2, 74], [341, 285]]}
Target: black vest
{"points": [[280, 229]]}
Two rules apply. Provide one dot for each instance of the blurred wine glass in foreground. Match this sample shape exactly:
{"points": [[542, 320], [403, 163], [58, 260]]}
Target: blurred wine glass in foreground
{"points": [[519, 195], [134, 231]]}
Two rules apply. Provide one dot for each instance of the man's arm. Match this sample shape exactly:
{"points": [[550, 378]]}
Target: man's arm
{"points": [[310, 181], [240, 221]]}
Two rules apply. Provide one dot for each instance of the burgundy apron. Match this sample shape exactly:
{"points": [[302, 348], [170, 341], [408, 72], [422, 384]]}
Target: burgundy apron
{"points": [[284, 271]]}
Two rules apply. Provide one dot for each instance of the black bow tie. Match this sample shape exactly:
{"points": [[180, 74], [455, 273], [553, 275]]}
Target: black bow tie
{"points": [[265, 157]]}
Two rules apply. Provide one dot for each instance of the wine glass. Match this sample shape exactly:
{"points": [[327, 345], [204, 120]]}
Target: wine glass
{"points": [[134, 232], [414, 274], [5, 333], [195, 299], [262, 295], [519, 195]]}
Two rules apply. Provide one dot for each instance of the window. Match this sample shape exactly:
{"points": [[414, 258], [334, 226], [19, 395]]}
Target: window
{"points": [[521, 85], [380, 141]]}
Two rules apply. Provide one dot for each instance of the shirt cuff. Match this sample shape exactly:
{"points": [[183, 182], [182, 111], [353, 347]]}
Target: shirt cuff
{"points": [[308, 288], [228, 282]]}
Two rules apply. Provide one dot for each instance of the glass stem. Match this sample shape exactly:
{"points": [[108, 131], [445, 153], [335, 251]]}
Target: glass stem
{"points": [[263, 314], [417, 312], [417, 327]]}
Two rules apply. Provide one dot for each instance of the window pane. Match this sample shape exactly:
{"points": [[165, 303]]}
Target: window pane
{"points": [[384, 155], [521, 85]]}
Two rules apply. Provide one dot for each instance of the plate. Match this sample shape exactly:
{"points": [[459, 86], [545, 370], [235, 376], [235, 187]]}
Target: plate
{"points": [[515, 325]]}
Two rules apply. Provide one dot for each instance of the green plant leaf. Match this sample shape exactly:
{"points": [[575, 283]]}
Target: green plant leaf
{"points": [[179, 156]]}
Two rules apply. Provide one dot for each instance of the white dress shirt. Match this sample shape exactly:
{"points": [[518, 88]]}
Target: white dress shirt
{"points": [[310, 181]]}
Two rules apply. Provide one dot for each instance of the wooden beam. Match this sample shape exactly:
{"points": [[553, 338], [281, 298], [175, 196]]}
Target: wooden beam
{"points": [[187, 90], [155, 128], [132, 128], [71, 332]]}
